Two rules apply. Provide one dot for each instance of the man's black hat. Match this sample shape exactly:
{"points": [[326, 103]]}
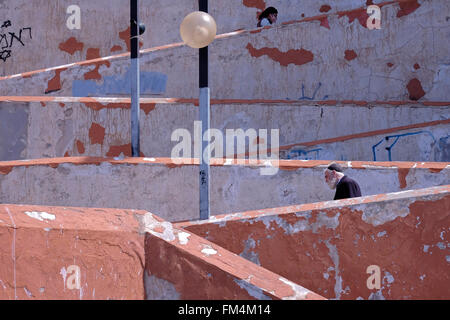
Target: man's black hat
{"points": [[335, 167]]}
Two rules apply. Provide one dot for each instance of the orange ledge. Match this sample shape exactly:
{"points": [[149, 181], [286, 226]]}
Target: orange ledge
{"points": [[120, 100], [7, 166], [439, 190]]}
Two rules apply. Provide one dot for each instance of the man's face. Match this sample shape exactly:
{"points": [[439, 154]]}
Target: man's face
{"points": [[331, 178]]}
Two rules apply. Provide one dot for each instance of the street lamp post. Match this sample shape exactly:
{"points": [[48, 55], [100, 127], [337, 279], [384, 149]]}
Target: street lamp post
{"points": [[136, 29], [198, 30], [205, 117], [135, 86]]}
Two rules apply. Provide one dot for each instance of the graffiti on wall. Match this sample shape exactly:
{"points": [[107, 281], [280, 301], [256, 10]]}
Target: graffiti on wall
{"points": [[425, 146], [313, 97], [395, 138], [302, 154], [8, 39]]}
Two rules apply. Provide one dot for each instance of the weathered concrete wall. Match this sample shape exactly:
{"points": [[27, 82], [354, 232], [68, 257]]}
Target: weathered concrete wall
{"points": [[181, 265], [328, 246], [39, 127], [40, 244], [51, 43], [171, 191], [102, 254], [427, 142], [401, 61]]}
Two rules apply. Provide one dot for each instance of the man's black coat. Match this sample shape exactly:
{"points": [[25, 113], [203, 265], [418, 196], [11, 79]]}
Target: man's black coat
{"points": [[347, 188]]}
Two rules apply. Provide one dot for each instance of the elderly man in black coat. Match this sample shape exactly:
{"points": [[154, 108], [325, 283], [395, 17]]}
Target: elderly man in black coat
{"points": [[345, 186]]}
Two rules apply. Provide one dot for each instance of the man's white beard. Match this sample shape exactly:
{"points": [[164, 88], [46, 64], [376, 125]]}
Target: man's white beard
{"points": [[333, 183]]}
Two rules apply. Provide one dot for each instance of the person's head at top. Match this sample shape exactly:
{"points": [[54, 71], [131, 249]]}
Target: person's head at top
{"points": [[268, 17], [333, 174]]}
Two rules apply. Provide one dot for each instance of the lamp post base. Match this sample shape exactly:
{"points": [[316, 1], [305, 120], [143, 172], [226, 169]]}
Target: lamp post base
{"points": [[204, 110]]}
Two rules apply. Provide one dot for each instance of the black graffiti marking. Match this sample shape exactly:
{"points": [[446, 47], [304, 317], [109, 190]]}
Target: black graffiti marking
{"points": [[29, 29], [6, 24], [4, 43], [4, 39], [13, 35], [5, 54]]}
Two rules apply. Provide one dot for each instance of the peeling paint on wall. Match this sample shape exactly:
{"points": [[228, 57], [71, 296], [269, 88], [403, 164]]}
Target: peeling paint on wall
{"points": [[293, 56], [71, 46], [41, 216]]}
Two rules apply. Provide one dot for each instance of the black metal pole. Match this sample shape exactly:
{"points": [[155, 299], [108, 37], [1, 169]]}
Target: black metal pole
{"points": [[135, 86], [203, 52], [204, 113]]}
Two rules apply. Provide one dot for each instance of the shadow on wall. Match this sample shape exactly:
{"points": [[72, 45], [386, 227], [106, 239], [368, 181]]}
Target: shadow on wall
{"points": [[150, 83], [13, 131]]}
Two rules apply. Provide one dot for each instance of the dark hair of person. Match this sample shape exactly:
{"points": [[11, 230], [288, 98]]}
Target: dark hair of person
{"points": [[266, 13], [335, 167]]}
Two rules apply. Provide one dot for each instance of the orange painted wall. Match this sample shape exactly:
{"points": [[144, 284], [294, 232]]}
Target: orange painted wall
{"points": [[329, 246]]}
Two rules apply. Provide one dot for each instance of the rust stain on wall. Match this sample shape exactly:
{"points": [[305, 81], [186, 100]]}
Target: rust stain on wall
{"points": [[258, 4], [325, 8], [97, 106], [5, 169], [148, 107], [286, 168], [115, 151], [80, 146], [93, 104], [293, 56], [356, 103], [116, 48], [54, 84], [350, 55], [71, 46], [173, 165], [407, 7], [125, 36], [402, 173], [415, 89], [94, 53], [324, 22], [96, 134], [437, 170], [360, 14]]}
